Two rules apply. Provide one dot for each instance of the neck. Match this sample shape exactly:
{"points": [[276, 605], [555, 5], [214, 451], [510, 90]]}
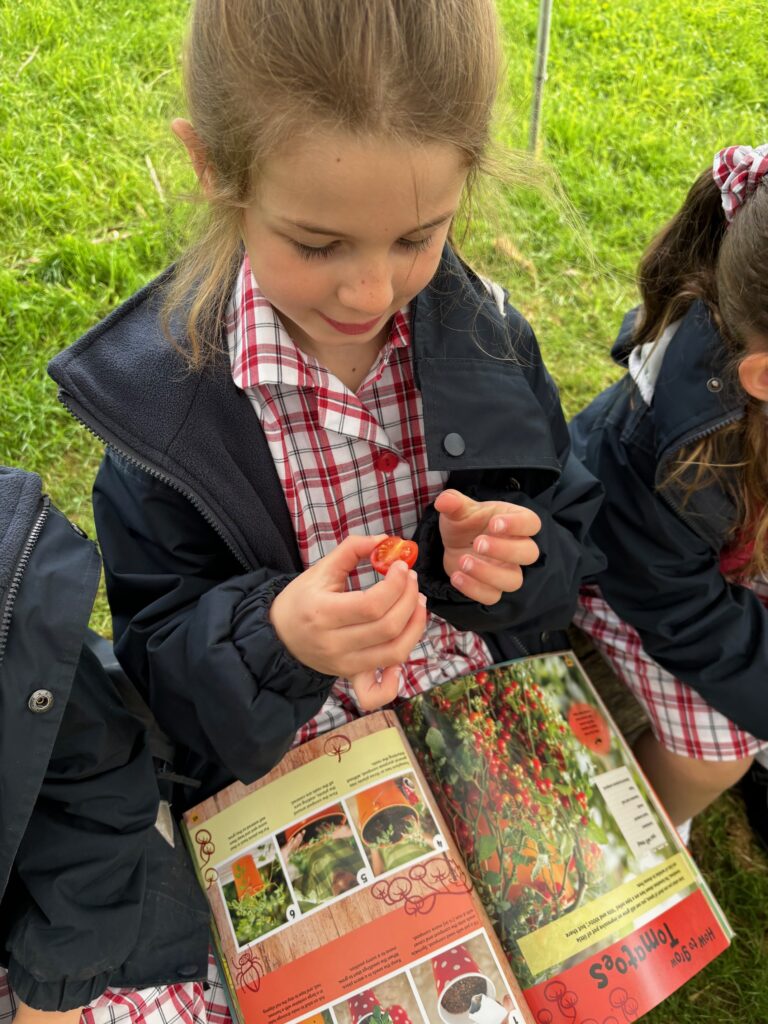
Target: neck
{"points": [[349, 363]]}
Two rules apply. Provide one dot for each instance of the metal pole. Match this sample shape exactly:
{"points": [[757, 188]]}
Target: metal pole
{"points": [[540, 72]]}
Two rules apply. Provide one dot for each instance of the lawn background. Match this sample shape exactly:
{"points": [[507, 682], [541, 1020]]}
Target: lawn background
{"points": [[640, 95]]}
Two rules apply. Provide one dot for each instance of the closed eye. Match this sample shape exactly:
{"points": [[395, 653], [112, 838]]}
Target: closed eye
{"points": [[415, 246], [312, 252]]}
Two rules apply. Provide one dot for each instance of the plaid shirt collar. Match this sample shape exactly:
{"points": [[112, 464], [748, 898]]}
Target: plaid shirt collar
{"points": [[263, 354]]}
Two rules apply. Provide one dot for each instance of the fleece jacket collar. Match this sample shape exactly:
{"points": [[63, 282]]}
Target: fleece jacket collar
{"points": [[20, 496]]}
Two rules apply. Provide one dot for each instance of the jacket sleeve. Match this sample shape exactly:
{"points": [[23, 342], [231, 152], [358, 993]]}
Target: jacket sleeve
{"points": [[566, 506], [192, 629], [665, 580], [81, 865]]}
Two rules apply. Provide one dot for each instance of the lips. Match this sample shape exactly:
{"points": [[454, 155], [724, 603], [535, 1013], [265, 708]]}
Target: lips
{"points": [[346, 328]]}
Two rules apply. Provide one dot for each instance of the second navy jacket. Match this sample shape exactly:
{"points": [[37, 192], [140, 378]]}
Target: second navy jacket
{"points": [[91, 895], [197, 539], [663, 575]]}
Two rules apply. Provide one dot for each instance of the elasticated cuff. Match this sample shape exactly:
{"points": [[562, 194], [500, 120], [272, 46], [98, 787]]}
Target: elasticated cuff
{"points": [[60, 994], [286, 675]]}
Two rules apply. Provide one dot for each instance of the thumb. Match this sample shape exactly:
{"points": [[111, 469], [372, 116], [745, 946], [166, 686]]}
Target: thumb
{"points": [[454, 505], [345, 558]]}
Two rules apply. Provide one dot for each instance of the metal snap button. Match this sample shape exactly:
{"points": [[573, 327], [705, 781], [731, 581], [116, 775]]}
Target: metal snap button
{"points": [[40, 701], [714, 384], [454, 444]]}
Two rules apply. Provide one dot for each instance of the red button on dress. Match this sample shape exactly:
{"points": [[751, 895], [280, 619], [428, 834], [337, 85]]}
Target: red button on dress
{"points": [[385, 462]]}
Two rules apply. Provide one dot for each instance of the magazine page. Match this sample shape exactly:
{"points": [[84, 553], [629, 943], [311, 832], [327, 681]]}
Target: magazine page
{"points": [[338, 895], [596, 902]]}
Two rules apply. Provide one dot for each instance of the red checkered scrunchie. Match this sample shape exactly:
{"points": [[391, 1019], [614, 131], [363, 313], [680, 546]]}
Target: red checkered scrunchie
{"points": [[737, 171]]}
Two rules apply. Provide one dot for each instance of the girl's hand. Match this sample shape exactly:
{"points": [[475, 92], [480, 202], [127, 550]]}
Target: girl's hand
{"points": [[486, 543], [352, 633], [26, 1015]]}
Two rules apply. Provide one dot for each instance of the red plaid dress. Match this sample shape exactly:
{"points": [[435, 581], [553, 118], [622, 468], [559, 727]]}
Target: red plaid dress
{"points": [[681, 720], [188, 1003], [348, 462]]}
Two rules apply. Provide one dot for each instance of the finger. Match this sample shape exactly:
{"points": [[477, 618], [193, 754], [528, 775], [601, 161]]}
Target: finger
{"points": [[455, 505], [336, 566], [399, 650], [360, 607], [474, 589], [388, 626], [503, 576], [514, 521], [377, 687], [513, 550]]}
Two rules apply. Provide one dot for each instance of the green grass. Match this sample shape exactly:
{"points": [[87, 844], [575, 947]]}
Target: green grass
{"points": [[640, 95]]}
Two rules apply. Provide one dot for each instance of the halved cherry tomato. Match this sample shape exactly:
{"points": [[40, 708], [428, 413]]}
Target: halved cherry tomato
{"points": [[393, 549]]}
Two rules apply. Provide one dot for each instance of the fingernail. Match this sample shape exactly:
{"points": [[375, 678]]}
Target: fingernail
{"points": [[498, 525], [422, 601], [457, 579], [482, 546], [467, 563], [412, 574]]}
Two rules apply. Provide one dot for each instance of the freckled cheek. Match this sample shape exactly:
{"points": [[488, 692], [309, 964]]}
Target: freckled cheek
{"points": [[297, 285], [418, 275]]}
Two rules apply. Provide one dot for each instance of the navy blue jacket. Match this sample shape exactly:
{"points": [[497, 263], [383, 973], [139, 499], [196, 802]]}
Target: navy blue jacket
{"points": [[663, 575], [197, 539], [90, 893]]}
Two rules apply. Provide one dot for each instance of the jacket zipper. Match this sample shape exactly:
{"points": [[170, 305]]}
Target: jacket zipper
{"points": [[15, 584], [153, 471], [689, 440]]}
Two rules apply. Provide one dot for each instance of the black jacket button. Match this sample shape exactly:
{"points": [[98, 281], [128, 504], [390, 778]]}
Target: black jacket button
{"points": [[188, 971], [454, 444], [714, 384], [40, 701]]}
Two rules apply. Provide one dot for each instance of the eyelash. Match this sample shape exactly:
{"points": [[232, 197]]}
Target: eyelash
{"points": [[310, 252]]}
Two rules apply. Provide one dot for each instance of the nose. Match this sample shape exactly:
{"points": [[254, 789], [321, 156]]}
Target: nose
{"points": [[368, 288]]}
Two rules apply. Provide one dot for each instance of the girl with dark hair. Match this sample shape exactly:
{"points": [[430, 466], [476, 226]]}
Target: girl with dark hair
{"points": [[681, 446]]}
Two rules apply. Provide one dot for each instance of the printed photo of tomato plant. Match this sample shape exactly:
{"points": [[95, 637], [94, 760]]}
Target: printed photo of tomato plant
{"points": [[322, 857], [394, 822], [255, 892], [513, 769]]}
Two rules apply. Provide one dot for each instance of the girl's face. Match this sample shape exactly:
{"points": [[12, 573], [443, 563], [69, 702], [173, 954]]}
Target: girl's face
{"points": [[343, 232]]}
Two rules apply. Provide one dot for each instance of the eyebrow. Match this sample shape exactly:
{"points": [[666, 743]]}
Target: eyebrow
{"points": [[315, 229]]}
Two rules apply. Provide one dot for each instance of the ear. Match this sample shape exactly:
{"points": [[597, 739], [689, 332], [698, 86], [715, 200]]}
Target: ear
{"points": [[753, 375], [196, 151]]}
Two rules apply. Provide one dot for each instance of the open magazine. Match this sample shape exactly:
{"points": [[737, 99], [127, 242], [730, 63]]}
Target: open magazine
{"points": [[487, 854]]}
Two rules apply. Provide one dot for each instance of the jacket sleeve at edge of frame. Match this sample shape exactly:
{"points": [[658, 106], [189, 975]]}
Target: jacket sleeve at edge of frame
{"points": [[665, 580], [192, 629], [567, 508], [78, 880], [82, 860]]}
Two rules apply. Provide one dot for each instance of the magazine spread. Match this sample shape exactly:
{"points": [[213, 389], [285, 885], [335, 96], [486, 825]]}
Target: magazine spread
{"points": [[491, 853]]}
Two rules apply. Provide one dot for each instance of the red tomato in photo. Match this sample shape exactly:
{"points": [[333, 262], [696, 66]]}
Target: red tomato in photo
{"points": [[393, 549]]}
